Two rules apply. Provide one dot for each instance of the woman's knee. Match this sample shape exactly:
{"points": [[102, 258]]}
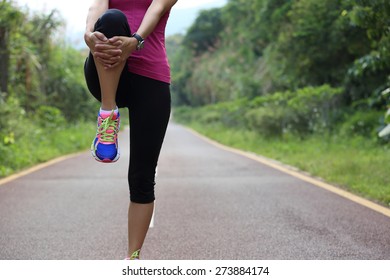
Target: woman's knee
{"points": [[113, 23], [113, 16], [142, 190]]}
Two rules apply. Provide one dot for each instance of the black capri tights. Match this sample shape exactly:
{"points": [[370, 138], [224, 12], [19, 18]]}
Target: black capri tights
{"points": [[149, 104]]}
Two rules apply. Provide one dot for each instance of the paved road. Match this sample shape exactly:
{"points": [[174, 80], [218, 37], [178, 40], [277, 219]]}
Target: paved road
{"points": [[211, 204]]}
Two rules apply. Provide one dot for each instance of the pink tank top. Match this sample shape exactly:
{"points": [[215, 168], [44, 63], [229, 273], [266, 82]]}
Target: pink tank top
{"points": [[151, 61]]}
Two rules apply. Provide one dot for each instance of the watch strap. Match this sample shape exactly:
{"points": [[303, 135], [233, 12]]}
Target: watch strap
{"points": [[140, 40], [138, 37]]}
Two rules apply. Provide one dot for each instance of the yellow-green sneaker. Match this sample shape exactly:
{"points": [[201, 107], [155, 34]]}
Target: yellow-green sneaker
{"points": [[135, 255], [104, 147]]}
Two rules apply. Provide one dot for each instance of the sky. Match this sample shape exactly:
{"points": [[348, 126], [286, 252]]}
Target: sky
{"points": [[182, 14]]}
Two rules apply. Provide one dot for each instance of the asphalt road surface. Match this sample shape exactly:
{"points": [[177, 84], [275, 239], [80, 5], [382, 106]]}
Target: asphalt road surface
{"points": [[211, 204]]}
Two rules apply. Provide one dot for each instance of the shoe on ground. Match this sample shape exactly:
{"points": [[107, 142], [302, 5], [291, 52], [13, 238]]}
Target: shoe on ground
{"points": [[134, 256]]}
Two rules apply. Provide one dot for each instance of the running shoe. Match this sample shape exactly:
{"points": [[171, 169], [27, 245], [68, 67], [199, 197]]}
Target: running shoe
{"points": [[134, 256], [104, 147]]}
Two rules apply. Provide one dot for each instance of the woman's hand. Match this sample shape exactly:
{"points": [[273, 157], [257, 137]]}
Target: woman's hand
{"points": [[103, 51], [115, 51], [93, 38]]}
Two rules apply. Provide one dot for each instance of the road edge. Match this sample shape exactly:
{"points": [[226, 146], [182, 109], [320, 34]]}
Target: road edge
{"points": [[297, 174], [37, 167]]}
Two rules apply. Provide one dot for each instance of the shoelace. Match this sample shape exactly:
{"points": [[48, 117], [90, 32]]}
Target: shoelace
{"points": [[108, 124], [135, 255]]}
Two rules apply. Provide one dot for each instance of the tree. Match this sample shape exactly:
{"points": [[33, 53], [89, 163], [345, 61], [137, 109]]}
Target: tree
{"points": [[203, 35], [369, 74], [10, 19], [319, 43]]}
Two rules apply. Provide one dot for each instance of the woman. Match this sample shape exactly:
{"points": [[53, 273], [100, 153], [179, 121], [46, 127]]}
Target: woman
{"points": [[128, 67]]}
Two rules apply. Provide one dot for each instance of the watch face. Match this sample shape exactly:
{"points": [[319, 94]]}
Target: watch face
{"points": [[140, 40], [140, 45]]}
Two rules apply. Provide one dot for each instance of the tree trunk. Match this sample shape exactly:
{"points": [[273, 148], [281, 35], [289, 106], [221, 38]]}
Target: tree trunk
{"points": [[4, 59]]}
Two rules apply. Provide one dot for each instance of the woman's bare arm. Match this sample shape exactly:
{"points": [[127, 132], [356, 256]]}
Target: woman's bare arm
{"points": [[97, 8], [102, 50], [153, 15]]}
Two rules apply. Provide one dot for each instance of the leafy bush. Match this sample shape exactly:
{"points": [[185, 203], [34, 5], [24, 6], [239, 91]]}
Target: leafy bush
{"points": [[385, 132], [316, 108], [11, 125], [310, 109], [307, 110], [268, 121], [361, 123], [184, 114], [49, 117]]}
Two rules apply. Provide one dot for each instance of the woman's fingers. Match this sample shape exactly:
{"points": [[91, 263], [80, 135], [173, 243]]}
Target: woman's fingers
{"points": [[106, 54], [115, 41], [100, 36], [110, 53], [107, 60], [106, 47]]}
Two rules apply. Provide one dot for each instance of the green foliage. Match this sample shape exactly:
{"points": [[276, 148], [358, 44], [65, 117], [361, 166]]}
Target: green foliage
{"points": [[362, 123], [10, 18], [281, 52], [385, 132], [319, 43], [305, 111], [203, 34], [10, 126], [9, 15], [49, 118], [305, 82], [43, 69], [43, 96], [369, 76], [181, 64], [35, 145], [267, 121], [65, 86], [29, 139]]}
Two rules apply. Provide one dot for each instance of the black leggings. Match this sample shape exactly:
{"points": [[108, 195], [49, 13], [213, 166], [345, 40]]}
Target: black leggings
{"points": [[149, 103]]}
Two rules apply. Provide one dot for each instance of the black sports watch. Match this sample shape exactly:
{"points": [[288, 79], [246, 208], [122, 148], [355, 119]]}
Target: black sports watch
{"points": [[140, 40]]}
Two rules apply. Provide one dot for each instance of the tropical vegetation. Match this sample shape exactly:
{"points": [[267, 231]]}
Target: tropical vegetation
{"points": [[293, 72], [44, 103]]}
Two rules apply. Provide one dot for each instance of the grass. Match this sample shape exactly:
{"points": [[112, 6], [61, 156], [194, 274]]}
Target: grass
{"points": [[37, 146], [356, 164]]}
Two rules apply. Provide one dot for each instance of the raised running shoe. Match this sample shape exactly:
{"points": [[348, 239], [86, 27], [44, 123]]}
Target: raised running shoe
{"points": [[104, 147]]}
